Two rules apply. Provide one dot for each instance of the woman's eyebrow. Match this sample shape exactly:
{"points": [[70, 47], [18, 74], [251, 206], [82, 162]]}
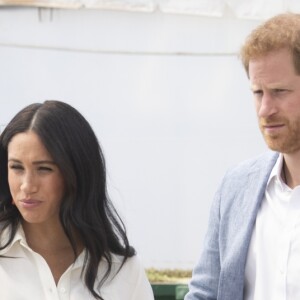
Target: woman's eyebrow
{"points": [[37, 162]]}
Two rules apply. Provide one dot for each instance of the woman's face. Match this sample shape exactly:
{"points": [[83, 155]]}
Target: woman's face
{"points": [[35, 181]]}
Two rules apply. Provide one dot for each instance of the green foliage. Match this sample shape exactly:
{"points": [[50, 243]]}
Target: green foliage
{"points": [[168, 275]]}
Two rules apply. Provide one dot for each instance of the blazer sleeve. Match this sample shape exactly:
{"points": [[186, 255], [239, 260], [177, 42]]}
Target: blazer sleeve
{"points": [[205, 279], [230, 226]]}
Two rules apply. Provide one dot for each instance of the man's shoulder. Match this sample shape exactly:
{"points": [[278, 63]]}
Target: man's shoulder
{"points": [[261, 163], [256, 169], [249, 175]]}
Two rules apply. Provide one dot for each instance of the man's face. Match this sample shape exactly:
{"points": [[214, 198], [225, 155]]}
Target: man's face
{"points": [[276, 89]]}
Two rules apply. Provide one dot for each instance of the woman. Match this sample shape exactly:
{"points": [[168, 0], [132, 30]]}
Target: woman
{"points": [[60, 236]]}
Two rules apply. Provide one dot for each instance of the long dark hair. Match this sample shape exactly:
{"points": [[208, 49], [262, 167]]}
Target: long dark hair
{"points": [[74, 147]]}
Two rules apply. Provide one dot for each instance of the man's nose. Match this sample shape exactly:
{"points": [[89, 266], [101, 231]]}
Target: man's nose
{"points": [[267, 106]]}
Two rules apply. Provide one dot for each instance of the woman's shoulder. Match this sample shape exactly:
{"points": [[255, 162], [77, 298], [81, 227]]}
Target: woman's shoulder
{"points": [[131, 264], [129, 279], [130, 270]]}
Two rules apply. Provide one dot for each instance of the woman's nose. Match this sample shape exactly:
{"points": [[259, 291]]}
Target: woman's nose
{"points": [[29, 184]]}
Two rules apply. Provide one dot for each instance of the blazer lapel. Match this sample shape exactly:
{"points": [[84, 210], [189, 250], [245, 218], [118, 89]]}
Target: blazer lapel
{"points": [[241, 220]]}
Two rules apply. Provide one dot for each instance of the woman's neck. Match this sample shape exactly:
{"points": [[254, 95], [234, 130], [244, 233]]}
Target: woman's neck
{"points": [[41, 237]]}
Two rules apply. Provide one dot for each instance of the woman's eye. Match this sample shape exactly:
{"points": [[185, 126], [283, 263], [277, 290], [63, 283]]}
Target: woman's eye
{"points": [[45, 169], [16, 167]]}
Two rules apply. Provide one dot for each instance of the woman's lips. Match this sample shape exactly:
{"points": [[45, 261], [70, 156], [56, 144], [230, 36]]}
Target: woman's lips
{"points": [[30, 203]]}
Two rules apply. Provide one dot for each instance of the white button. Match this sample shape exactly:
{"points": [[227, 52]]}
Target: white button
{"points": [[282, 272], [62, 290]]}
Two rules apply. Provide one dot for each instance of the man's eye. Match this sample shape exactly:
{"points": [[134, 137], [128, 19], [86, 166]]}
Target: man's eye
{"points": [[257, 92]]}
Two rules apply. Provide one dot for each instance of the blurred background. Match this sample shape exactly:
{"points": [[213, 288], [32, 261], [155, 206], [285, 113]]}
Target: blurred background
{"points": [[161, 84]]}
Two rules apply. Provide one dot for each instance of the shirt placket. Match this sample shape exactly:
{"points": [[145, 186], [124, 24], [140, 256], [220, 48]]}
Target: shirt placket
{"points": [[285, 213], [284, 243], [64, 285], [292, 221], [51, 291], [46, 277]]}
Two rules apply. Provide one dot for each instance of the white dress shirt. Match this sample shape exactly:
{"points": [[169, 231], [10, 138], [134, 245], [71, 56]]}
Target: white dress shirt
{"points": [[273, 262], [25, 275]]}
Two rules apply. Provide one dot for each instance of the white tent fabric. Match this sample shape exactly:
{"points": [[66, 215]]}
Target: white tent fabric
{"points": [[262, 9], [254, 9], [195, 7]]}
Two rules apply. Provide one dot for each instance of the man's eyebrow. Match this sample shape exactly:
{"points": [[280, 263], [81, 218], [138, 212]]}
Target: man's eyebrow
{"points": [[254, 86]]}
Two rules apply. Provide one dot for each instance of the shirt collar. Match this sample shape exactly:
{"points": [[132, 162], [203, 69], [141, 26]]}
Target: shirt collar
{"points": [[19, 237], [275, 175]]}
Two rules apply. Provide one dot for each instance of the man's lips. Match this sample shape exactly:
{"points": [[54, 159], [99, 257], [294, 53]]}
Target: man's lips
{"points": [[273, 125], [272, 128]]}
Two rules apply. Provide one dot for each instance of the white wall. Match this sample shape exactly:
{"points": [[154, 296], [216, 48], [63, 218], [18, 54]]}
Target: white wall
{"points": [[166, 95]]}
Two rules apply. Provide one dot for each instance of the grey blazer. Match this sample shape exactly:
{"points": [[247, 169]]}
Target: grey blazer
{"points": [[219, 274]]}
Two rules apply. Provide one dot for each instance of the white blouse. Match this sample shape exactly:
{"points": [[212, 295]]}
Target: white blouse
{"points": [[24, 274]]}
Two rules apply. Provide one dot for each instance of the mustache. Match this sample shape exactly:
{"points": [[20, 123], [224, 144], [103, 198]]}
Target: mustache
{"points": [[271, 121]]}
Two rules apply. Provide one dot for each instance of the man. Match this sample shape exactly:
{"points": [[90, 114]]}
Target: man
{"points": [[252, 247]]}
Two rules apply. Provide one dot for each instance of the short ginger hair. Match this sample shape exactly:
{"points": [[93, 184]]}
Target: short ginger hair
{"points": [[279, 32]]}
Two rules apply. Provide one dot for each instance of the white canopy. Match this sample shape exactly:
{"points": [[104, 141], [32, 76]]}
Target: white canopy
{"points": [[255, 9]]}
